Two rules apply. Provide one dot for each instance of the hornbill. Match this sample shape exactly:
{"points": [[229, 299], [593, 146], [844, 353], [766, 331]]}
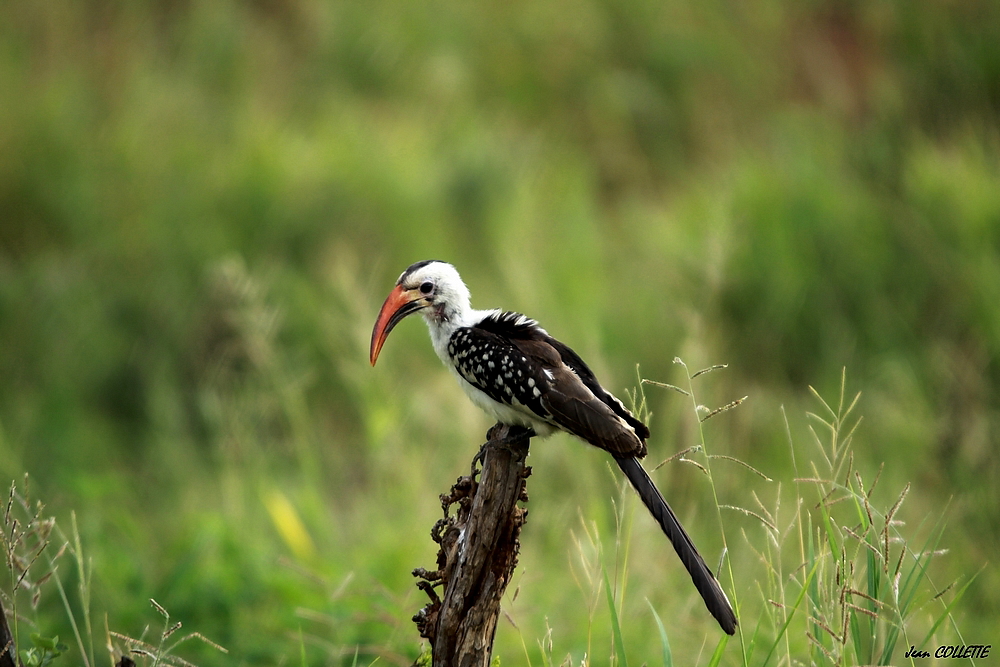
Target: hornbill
{"points": [[520, 375]]}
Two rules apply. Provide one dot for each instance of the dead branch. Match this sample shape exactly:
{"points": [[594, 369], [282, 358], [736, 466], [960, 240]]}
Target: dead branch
{"points": [[478, 552]]}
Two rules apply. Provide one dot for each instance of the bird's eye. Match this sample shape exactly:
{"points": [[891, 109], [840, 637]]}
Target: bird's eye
{"points": [[426, 287]]}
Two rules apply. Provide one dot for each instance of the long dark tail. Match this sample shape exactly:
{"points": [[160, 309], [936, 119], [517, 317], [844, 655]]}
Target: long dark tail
{"points": [[703, 579]]}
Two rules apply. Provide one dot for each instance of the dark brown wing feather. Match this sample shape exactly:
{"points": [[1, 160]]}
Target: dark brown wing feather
{"points": [[579, 366], [575, 408], [573, 360]]}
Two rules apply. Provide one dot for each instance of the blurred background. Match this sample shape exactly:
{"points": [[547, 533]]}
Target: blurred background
{"points": [[203, 204]]}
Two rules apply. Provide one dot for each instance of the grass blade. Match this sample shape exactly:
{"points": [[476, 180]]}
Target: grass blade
{"points": [[798, 601], [947, 610], [720, 648], [668, 659], [616, 629]]}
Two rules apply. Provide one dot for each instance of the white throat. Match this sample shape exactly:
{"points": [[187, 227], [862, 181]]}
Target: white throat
{"points": [[442, 328]]}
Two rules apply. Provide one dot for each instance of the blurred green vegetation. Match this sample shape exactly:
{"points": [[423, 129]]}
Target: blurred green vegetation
{"points": [[203, 203]]}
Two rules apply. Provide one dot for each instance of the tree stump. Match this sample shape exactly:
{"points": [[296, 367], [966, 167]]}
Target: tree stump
{"points": [[8, 651], [478, 552]]}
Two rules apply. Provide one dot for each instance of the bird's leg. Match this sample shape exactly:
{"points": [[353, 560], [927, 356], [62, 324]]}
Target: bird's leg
{"points": [[493, 435], [503, 435], [515, 434], [480, 457]]}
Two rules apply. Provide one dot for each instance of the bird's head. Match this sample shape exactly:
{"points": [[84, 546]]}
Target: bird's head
{"points": [[431, 287]]}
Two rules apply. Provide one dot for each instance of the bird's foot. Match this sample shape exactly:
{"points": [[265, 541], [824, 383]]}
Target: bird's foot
{"points": [[510, 434], [502, 435], [480, 457]]}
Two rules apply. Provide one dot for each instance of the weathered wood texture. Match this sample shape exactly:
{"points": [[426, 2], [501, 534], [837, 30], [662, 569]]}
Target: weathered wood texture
{"points": [[478, 554], [8, 650]]}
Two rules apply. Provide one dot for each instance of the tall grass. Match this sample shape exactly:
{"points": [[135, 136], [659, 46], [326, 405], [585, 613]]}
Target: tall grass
{"points": [[834, 580], [865, 573], [34, 545]]}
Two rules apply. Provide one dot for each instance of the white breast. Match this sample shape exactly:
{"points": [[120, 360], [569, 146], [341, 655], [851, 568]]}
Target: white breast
{"points": [[506, 414]]}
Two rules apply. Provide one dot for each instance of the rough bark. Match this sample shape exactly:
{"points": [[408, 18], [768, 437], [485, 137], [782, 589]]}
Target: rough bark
{"points": [[8, 650], [478, 554]]}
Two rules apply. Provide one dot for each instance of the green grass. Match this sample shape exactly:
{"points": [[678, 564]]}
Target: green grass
{"points": [[202, 205], [834, 579]]}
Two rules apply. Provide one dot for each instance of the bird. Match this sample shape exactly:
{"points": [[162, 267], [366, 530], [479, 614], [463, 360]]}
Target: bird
{"points": [[521, 376]]}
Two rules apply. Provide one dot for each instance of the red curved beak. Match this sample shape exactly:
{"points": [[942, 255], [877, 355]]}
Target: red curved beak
{"points": [[398, 305]]}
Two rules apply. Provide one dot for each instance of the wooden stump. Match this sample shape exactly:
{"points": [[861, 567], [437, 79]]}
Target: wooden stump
{"points": [[478, 554], [8, 651]]}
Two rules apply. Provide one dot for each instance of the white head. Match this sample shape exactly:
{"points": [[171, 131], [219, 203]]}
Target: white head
{"points": [[432, 287]]}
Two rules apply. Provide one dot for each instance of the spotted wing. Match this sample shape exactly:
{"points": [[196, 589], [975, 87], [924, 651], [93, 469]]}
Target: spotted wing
{"points": [[575, 408], [493, 364], [513, 360]]}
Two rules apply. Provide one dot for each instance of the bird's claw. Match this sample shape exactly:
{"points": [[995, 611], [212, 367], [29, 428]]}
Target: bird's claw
{"points": [[480, 457], [516, 434]]}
